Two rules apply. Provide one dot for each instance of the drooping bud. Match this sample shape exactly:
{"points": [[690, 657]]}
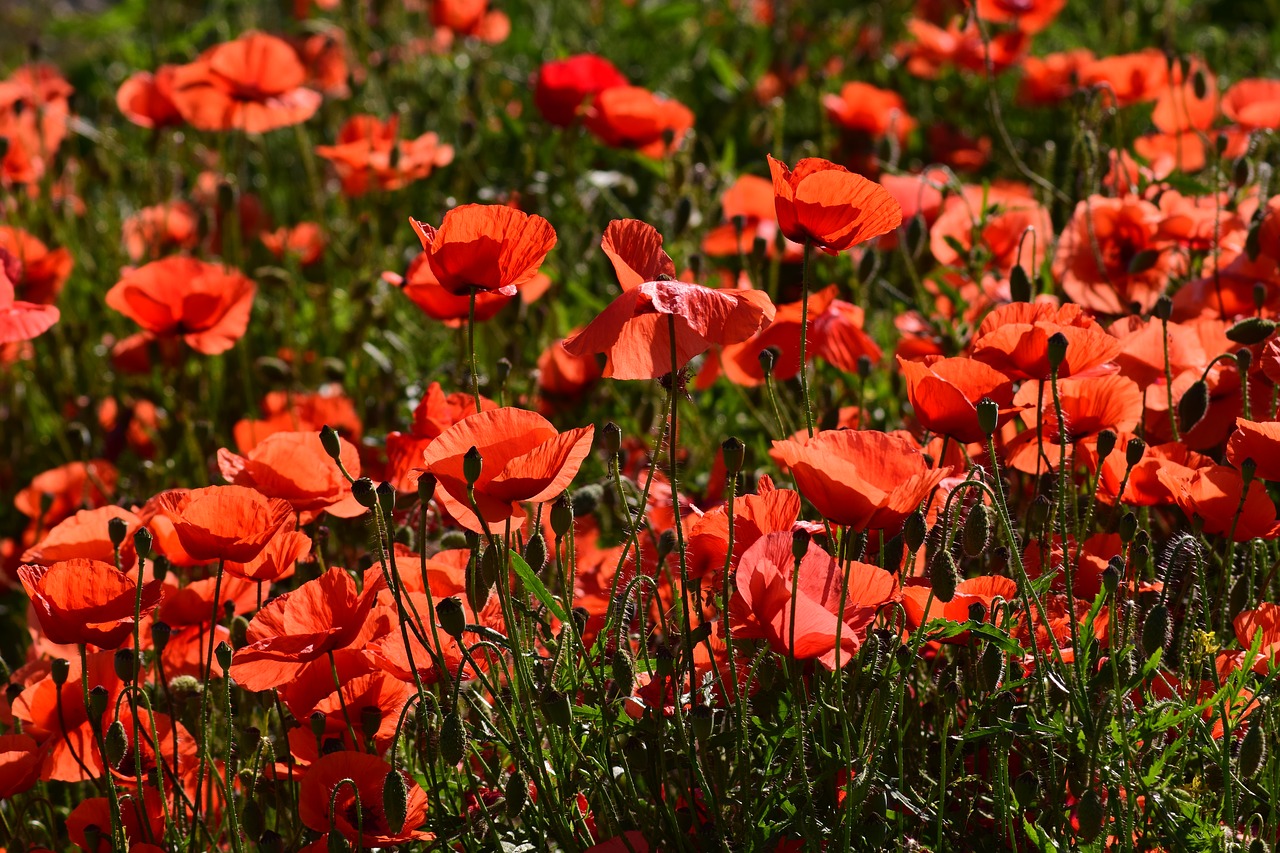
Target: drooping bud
{"points": [[587, 499], [557, 708], [516, 794], [611, 435], [1193, 405], [330, 442], [624, 669], [1155, 630], [914, 531], [1091, 813], [116, 742], [992, 667], [535, 551], [943, 576], [562, 516], [977, 530], [1251, 330], [768, 357], [1253, 752], [117, 529], [370, 720], [59, 669]]}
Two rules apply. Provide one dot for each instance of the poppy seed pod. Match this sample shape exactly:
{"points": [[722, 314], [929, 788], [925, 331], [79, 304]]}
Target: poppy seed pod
{"points": [[395, 801], [472, 464], [1248, 470], [624, 669], [800, 540], [330, 442], [734, 452], [562, 513], [1106, 444], [142, 541], [612, 437], [666, 544], [386, 494], [988, 415], [1134, 451], [370, 720], [125, 662], [1127, 527], [426, 488], [1244, 358], [117, 529], [1057, 350], [452, 619], [364, 492], [1111, 575], [160, 632], [97, 705], [1091, 813]]}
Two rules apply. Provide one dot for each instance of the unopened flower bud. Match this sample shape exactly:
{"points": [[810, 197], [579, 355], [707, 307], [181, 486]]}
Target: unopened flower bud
{"points": [[452, 618], [1057, 350], [562, 512], [386, 494], [117, 529], [426, 488], [800, 540], [1134, 451], [1106, 444], [125, 662], [988, 415], [472, 463], [223, 654], [733, 451], [330, 442], [142, 541], [612, 438]]}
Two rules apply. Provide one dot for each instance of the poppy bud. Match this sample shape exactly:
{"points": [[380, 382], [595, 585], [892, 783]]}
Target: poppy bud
{"points": [[892, 553], [1252, 330], [223, 654], [1026, 788], [1111, 575], [251, 818], [977, 530], [664, 662], [624, 669], [318, 722], [1106, 444], [1057, 349], [535, 552], [125, 662], [992, 667], [1143, 261], [1019, 284], [330, 442], [557, 708], [800, 540], [1155, 630], [733, 451], [914, 531], [864, 366], [1193, 405], [1090, 812], [503, 371], [988, 415], [700, 715], [561, 516], [694, 260], [142, 541], [116, 742], [364, 492], [1248, 470], [395, 800], [516, 794], [1253, 752], [768, 356], [612, 436], [452, 619], [426, 488], [370, 720], [586, 499], [1253, 240], [1038, 514], [453, 738], [386, 498], [943, 576], [666, 544], [472, 462], [97, 705], [117, 529], [1127, 527], [1163, 308], [160, 632]]}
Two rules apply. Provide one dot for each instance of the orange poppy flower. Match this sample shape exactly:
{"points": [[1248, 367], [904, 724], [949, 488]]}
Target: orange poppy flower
{"points": [[486, 247], [33, 119], [1213, 495], [563, 85], [635, 250], [321, 616], [863, 479], [1016, 232], [1122, 233], [369, 154], [205, 304], [1088, 407], [770, 510], [146, 99], [254, 84], [866, 109], [435, 413], [1129, 78], [223, 522], [765, 600], [634, 332], [21, 321], [422, 287], [85, 536], [1014, 339], [286, 412], [363, 686], [1256, 441], [1254, 104], [65, 731], [1264, 620], [83, 601], [1054, 77], [306, 241], [20, 761], [1179, 108], [68, 487], [276, 560], [934, 48], [328, 782], [1143, 488], [324, 54], [749, 202], [944, 393], [970, 591], [161, 228], [1029, 16], [524, 461], [472, 18], [38, 272], [295, 467], [564, 378], [827, 205], [634, 117]]}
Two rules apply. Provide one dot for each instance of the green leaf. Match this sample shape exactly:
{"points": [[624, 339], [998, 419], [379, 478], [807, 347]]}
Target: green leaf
{"points": [[534, 585]]}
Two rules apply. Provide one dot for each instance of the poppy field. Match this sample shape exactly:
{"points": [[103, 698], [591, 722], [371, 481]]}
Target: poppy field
{"points": [[639, 425]]}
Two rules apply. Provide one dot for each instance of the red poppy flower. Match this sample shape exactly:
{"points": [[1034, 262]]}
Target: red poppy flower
{"points": [[980, 590], [635, 250], [944, 393], [563, 85], [294, 466], [1257, 442], [1265, 620], [67, 487], [862, 479], [422, 287], [324, 54], [1213, 494], [1088, 407], [634, 117], [486, 247], [433, 415], [1144, 488], [66, 733], [1254, 104], [287, 412], [369, 154], [471, 18], [634, 332], [82, 601], [564, 379], [1122, 233], [967, 47], [146, 99], [20, 761], [524, 461], [827, 205], [749, 202], [1054, 77], [328, 782], [321, 616], [161, 228], [1131, 77], [866, 109], [254, 84], [33, 119], [134, 814], [39, 272], [205, 304], [1029, 16], [85, 535], [1014, 339], [224, 522], [21, 321], [1000, 227], [1190, 102], [770, 510], [276, 560], [765, 600], [363, 686], [306, 241]]}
